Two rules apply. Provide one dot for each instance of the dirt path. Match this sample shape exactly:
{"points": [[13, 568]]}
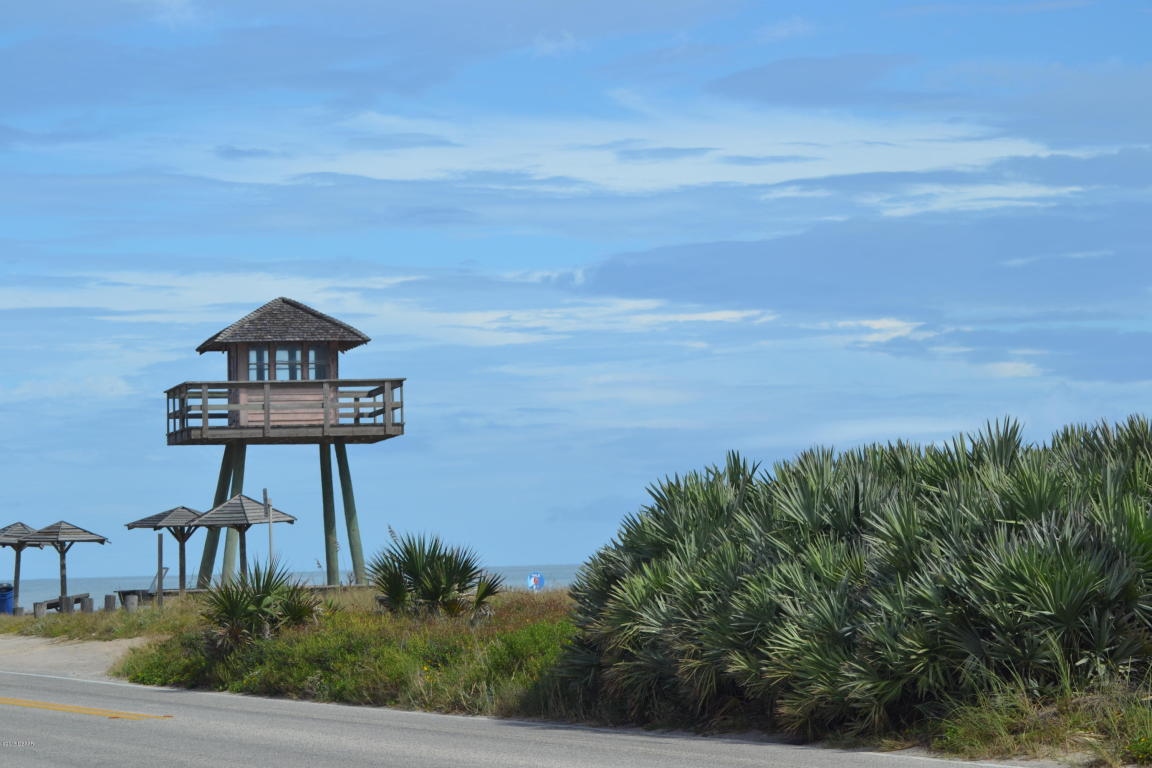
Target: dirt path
{"points": [[86, 659]]}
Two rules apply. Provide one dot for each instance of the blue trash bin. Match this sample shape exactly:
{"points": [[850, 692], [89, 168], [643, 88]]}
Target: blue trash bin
{"points": [[6, 593]]}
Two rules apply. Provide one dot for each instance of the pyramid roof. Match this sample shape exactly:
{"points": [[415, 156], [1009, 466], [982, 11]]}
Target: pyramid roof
{"points": [[240, 510], [286, 320], [177, 517], [62, 532]]}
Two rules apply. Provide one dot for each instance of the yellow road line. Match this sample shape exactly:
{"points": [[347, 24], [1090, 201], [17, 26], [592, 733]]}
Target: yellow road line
{"points": [[112, 713]]}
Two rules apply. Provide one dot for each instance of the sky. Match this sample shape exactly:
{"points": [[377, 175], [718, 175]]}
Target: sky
{"points": [[604, 242]]}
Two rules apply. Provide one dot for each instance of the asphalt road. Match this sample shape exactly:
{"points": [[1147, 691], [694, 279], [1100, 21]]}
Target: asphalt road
{"points": [[59, 722]]}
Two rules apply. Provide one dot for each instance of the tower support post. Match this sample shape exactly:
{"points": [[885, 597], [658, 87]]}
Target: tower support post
{"points": [[232, 538], [331, 545], [212, 537], [355, 548]]}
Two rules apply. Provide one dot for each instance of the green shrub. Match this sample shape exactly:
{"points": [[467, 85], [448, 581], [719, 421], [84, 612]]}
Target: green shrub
{"points": [[871, 590], [421, 575], [256, 606]]}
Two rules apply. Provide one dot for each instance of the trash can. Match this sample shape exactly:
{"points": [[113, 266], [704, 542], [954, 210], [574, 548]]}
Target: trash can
{"points": [[6, 593]]}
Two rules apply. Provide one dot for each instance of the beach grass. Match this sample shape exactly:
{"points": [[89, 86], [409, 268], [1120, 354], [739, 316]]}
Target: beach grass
{"points": [[177, 615], [355, 654]]}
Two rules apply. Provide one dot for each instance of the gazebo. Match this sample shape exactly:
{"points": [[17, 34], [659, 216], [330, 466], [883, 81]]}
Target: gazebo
{"points": [[241, 513], [12, 536], [180, 522], [62, 536]]}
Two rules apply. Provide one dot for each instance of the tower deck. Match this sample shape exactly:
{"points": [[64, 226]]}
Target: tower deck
{"points": [[278, 412]]}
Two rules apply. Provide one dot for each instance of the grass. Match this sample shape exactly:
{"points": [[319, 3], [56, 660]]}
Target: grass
{"points": [[357, 655], [177, 615]]}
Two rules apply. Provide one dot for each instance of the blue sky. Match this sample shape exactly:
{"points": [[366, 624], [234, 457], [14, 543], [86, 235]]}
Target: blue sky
{"points": [[605, 242]]}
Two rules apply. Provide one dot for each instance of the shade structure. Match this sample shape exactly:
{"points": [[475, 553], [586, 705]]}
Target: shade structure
{"points": [[11, 536], [180, 522], [62, 535], [241, 513]]}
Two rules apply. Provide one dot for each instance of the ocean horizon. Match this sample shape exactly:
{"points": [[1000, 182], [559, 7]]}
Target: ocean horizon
{"points": [[36, 590]]}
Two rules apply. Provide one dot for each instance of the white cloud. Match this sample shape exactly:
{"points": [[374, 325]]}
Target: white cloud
{"points": [[877, 331], [931, 198], [569, 153], [1014, 369], [1074, 256], [556, 45], [794, 26]]}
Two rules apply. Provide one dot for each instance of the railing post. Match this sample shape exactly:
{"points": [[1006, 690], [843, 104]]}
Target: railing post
{"points": [[267, 409], [325, 394]]}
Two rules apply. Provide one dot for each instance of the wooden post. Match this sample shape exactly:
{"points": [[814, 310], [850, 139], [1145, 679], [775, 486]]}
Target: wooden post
{"points": [[232, 538], [160, 569], [63, 548], [18, 549], [131, 602], [87, 605], [355, 548], [109, 603], [212, 539], [65, 604], [268, 515], [242, 532], [331, 545], [39, 610]]}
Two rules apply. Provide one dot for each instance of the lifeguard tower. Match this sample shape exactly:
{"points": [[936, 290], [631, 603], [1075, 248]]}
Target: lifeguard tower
{"points": [[284, 387]]}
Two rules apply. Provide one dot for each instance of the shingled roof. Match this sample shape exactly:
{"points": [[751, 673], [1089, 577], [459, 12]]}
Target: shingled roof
{"points": [[285, 319]]}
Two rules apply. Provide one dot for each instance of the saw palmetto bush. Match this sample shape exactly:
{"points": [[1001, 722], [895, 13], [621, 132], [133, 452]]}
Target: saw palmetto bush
{"points": [[420, 574], [256, 606], [871, 589]]}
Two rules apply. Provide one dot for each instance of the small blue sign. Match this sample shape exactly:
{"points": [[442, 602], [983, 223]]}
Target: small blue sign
{"points": [[535, 581]]}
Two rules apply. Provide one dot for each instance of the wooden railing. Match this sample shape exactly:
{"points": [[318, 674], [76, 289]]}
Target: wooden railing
{"points": [[285, 411]]}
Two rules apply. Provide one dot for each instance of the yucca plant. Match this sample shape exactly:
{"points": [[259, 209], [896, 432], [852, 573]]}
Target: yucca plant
{"points": [[422, 575]]}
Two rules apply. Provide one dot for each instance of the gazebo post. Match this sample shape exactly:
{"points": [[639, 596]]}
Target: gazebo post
{"points": [[182, 535], [18, 550], [355, 549], [62, 548], [242, 532]]}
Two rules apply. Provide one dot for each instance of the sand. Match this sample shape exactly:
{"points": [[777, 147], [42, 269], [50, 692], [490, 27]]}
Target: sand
{"points": [[83, 659]]}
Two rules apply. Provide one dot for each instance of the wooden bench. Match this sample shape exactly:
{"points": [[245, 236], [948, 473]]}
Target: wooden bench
{"points": [[54, 604]]}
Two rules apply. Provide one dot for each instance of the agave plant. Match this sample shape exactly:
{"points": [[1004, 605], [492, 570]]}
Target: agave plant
{"points": [[419, 574]]}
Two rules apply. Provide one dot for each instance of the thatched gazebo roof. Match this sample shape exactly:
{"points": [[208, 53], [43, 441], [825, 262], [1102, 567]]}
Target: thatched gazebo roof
{"points": [[177, 517], [62, 536], [242, 512], [283, 320], [181, 523], [13, 536]]}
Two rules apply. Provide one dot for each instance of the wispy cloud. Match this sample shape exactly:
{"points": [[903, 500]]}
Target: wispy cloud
{"points": [[1075, 256], [793, 26]]}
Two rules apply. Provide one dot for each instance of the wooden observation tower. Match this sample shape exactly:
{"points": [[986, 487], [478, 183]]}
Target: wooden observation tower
{"points": [[283, 386]]}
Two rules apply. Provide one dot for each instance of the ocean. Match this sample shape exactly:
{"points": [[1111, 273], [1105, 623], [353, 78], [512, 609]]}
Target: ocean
{"points": [[35, 590]]}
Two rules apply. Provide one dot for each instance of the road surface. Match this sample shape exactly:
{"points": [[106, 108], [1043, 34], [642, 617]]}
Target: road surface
{"points": [[58, 721]]}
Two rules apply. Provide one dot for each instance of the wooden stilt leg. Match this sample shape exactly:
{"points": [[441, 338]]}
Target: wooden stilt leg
{"points": [[212, 539], [355, 548], [331, 545], [232, 538]]}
